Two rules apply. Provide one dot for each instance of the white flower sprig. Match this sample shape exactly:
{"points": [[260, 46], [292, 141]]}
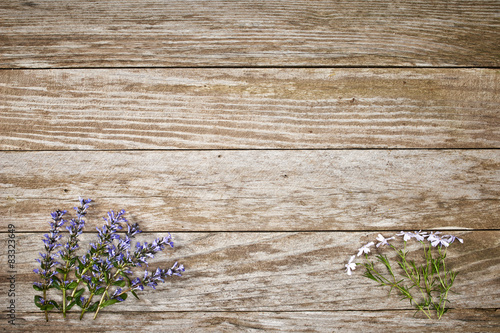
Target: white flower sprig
{"points": [[365, 249], [350, 266], [432, 279]]}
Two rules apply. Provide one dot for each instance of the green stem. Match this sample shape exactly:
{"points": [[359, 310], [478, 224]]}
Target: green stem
{"points": [[65, 276], [415, 281], [106, 291], [45, 300], [86, 305], [402, 290], [101, 300], [78, 281]]}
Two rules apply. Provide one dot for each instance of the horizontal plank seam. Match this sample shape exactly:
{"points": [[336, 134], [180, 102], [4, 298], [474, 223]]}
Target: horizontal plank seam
{"points": [[270, 231], [256, 67], [278, 311], [246, 149]]}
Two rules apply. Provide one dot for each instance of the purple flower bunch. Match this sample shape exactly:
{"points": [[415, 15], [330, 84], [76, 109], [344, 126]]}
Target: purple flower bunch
{"points": [[106, 269], [426, 285]]}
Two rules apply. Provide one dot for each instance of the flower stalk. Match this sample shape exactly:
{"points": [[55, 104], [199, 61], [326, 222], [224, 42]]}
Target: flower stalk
{"points": [[108, 264]]}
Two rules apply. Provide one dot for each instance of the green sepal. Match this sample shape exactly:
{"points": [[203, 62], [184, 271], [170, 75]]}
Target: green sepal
{"points": [[119, 283]]}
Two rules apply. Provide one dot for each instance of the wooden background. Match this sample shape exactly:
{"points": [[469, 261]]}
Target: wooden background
{"points": [[272, 138]]}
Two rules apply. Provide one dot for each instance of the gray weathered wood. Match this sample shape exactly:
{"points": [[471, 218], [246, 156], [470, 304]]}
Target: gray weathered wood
{"points": [[249, 108], [273, 271], [311, 321], [259, 190], [62, 33]]}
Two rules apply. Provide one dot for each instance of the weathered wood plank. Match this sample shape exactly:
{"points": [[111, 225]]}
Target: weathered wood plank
{"points": [[301, 271], [259, 190], [324, 321], [115, 33], [249, 108]]}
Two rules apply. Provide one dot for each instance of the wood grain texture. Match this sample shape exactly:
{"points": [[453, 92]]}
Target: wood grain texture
{"points": [[259, 190], [114, 33], [288, 271], [463, 320], [249, 108]]}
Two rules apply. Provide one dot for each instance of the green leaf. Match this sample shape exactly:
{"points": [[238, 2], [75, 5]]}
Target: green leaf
{"points": [[79, 293], [124, 296], [47, 307], [70, 305], [93, 307], [72, 285], [55, 304], [122, 273], [135, 295], [79, 302], [60, 270], [37, 301], [100, 291], [119, 283], [108, 302], [37, 288]]}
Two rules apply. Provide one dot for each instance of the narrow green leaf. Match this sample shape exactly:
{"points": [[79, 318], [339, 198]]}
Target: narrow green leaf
{"points": [[135, 295], [60, 270]]}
